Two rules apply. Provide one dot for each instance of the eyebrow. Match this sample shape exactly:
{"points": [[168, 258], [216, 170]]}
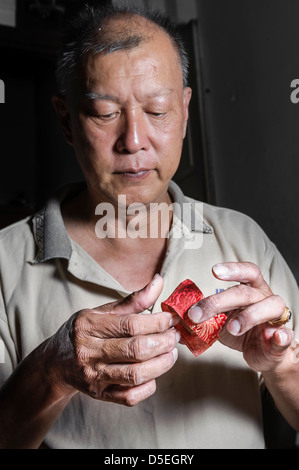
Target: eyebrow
{"points": [[97, 96]]}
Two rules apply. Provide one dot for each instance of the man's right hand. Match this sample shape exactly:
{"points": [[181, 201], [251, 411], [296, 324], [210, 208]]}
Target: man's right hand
{"points": [[112, 353]]}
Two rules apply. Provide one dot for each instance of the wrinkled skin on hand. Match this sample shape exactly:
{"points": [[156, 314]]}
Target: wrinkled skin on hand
{"points": [[112, 352]]}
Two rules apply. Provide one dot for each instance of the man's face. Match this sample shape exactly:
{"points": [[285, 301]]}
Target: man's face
{"points": [[128, 122]]}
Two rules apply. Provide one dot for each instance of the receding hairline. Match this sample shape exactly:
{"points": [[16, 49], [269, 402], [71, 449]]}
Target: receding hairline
{"points": [[98, 31], [130, 30], [131, 19], [144, 32]]}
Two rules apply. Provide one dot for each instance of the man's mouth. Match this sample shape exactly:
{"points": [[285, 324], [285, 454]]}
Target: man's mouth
{"points": [[134, 174]]}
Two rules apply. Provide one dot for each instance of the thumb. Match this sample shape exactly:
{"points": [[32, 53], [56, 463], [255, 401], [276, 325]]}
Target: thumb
{"points": [[282, 339], [278, 341], [138, 301]]}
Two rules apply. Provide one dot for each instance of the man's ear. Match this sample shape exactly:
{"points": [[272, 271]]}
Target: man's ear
{"points": [[186, 101], [63, 113]]}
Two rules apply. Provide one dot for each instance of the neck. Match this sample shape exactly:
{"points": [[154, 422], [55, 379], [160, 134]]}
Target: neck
{"points": [[118, 224], [131, 259]]}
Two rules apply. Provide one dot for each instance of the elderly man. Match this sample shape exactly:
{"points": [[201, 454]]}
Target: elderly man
{"points": [[76, 346]]}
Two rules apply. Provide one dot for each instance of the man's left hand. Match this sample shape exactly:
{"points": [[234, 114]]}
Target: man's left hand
{"points": [[250, 305]]}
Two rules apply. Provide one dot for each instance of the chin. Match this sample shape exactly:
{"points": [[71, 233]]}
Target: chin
{"points": [[130, 192]]}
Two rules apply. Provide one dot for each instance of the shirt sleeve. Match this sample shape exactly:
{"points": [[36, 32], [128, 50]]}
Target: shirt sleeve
{"points": [[8, 355], [283, 283]]}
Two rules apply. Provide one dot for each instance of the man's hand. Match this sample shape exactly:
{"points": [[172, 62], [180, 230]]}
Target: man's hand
{"points": [[249, 306], [112, 353]]}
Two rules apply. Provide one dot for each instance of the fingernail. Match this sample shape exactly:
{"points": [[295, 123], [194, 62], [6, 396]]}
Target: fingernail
{"points": [[155, 278], [177, 336], [221, 270], [283, 337], [234, 327], [195, 313], [175, 354], [174, 320]]}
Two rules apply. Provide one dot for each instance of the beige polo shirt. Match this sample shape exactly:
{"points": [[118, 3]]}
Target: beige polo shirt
{"points": [[212, 401]]}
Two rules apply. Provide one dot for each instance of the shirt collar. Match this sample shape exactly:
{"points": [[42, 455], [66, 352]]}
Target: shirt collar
{"points": [[188, 211], [53, 241], [49, 230]]}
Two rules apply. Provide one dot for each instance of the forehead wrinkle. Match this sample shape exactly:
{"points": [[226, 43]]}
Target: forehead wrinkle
{"points": [[160, 93], [126, 69]]}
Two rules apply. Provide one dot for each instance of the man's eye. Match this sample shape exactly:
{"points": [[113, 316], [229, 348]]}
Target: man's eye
{"points": [[158, 114], [106, 117], [103, 117]]}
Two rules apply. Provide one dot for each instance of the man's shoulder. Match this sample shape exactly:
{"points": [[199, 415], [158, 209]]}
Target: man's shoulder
{"points": [[17, 239], [218, 216], [235, 228], [16, 228]]}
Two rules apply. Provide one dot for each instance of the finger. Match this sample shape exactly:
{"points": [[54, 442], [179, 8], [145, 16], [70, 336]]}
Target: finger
{"points": [[126, 350], [245, 273], [91, 324], [232, 298], [136, 302], [278, 342], [137, 373], [129, 396], [256, 314], [279, 339], [138, 348]]}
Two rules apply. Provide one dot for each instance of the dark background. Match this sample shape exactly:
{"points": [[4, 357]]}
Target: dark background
{"points": [[247, 55]]}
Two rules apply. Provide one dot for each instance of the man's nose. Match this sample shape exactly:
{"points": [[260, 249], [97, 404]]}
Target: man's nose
{"points": [[133, 136]]}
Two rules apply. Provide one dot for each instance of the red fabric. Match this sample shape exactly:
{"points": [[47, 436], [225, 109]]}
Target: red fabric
{"points": [[199, 337]]}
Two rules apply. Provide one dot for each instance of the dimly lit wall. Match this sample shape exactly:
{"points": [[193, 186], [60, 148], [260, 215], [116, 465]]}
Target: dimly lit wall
{"points": [[250, 57]]}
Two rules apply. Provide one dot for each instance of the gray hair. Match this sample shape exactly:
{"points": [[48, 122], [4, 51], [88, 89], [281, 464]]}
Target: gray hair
{"points": [[87, 35]]}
